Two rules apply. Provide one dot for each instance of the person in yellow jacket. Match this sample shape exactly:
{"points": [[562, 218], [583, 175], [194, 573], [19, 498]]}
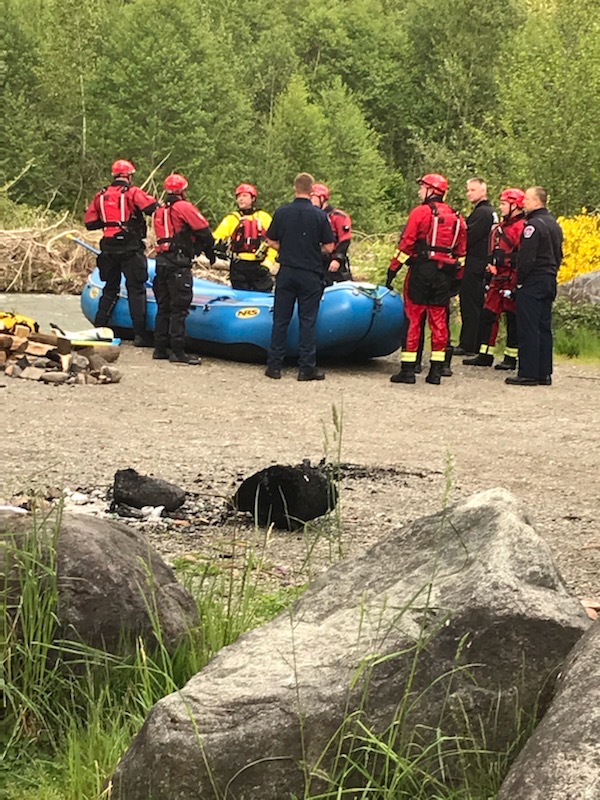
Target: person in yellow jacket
{"points": [[241, 236]]}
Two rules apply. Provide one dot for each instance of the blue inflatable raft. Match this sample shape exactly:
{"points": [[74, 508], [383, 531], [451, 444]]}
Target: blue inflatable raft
{"points": [[356, 320]]}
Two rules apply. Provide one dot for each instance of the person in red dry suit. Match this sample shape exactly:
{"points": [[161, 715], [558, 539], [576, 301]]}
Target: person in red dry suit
{"points": [[505, 238], [433, 245], [337, 264]]}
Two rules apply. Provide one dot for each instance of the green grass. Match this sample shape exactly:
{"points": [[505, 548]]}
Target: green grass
{"points": [[70, 711]]}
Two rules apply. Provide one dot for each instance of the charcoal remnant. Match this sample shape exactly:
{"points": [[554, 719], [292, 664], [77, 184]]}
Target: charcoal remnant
{"points": [[132, 489], [287, 496]]}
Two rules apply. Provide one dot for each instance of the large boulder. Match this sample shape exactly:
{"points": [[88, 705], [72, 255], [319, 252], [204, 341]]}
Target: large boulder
{"points": [[583, 288], [463, 611], [562, 758], [112, 585]]}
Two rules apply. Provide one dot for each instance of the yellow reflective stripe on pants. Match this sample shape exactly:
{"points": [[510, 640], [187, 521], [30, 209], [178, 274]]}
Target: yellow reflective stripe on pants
{"points": [[487, 349], [408, 358], [513, 352], [438, 355]]}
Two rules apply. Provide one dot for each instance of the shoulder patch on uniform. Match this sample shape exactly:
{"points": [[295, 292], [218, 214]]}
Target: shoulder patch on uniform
{"points": [[528, 231]]}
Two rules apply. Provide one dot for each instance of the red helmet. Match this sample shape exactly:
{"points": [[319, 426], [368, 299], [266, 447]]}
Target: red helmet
{"points": [[514, 196], [122, 167], [175, 183], [434, 181], [321, 190], [246, 187]]}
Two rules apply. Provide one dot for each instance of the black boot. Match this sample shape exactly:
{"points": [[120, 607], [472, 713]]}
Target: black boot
{"points": [[406, 374], [446, 370], [418, 368], [435, 373], [480, 360], [181, 357], [160, 353], [510, 362]]}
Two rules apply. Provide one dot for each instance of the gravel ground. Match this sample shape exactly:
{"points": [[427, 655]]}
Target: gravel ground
{"points": [[403, 448]]}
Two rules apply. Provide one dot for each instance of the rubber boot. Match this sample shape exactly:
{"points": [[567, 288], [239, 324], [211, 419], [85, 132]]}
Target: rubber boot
{"points": [[510, 362], [406, 374], [179, 356], [480, 360], [435, 373], [160, 353], [446, 370]]}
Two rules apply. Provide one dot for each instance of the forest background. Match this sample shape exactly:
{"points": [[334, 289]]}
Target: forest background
{"points": [[365, 94]]}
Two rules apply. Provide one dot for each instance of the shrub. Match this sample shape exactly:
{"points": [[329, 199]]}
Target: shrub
{"points": [[581, 245]]}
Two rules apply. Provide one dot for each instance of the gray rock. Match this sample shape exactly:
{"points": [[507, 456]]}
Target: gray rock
{"points": [[561, 761], [470, 596], [104, 588], [79, 363], [132, 489], [31, 374], [55, 377], [109, 374], [582, 288]]}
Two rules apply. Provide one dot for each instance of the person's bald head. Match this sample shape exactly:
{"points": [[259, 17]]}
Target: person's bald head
{"points": [[535, 197]]}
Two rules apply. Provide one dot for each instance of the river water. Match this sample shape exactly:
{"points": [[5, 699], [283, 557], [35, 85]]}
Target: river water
{"points": [[63, 310]]}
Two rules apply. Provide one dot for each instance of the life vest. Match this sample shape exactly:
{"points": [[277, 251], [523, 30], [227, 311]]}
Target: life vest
{"points": [[169, 237], [8, 322], [442, 236], [248, 235], [503, 248], [119, 220]]}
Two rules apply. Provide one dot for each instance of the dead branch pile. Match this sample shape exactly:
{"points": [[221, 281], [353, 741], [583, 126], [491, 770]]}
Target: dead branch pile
{"points": [[40, 259]]}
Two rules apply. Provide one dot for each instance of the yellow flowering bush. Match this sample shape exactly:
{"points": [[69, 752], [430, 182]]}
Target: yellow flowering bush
{"points": [[581, 245]]}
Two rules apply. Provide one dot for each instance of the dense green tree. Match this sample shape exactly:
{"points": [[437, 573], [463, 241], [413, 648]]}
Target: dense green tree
{"points": [[550, 112], [364, 93]]}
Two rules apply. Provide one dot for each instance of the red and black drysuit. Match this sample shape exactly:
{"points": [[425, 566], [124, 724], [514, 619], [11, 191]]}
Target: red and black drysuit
{"points": [[341, 225], [433, 239], [181, 234], [505, 237], [118, 210]]}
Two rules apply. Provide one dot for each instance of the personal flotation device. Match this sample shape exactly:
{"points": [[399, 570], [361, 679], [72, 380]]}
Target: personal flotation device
{"points": [[9, 321], [442, 236], [172, 236], [249, 234], [502, 247], [119, 219]]}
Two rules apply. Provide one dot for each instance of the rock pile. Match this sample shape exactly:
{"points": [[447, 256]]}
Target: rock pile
{"points": [[53, 359]]}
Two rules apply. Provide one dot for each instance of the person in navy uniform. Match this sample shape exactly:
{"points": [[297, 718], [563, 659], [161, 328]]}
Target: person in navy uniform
{"points": [[301, 233], [538, 261]]}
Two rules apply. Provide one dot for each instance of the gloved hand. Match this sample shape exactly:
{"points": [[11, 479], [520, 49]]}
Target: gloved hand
{"points": [[391, 274], [507, 293]]}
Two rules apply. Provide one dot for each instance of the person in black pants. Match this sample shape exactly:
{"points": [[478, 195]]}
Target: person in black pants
{"points": [[182, 233], [301, 233], [118, 211], [539, 258], [472, 289]]}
